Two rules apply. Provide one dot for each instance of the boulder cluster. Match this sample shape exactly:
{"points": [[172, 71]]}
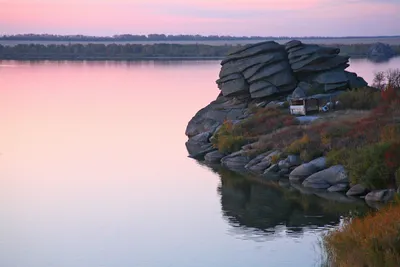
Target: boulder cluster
{"points": [[268, 68], [267, 71], [260, 74]]}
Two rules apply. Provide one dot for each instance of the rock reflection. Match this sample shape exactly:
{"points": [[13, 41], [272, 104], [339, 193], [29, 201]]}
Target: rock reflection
{"points": [[274, 208]]}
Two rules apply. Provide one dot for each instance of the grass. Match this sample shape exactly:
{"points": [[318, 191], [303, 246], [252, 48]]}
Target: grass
{"points": [[373, 240]]}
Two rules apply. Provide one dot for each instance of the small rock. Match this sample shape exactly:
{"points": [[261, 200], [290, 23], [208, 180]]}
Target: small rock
{"points": [[273, 169], [283, 164], [293, 160], [357, 190], [338, 188], [381, 195], [256, 160], [260, 167], [214, 157], [261, 104], [257, 164]]}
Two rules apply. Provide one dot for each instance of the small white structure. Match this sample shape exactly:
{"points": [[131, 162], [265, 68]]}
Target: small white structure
{"points": [[303, 106], [313, 104]]}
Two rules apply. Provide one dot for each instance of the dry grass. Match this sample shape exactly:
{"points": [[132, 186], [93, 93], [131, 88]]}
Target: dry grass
{"points": [[366, 242]]}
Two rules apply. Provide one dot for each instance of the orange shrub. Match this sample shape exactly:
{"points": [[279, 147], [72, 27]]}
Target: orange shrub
{"points": [[390, 133], [370, 241]]}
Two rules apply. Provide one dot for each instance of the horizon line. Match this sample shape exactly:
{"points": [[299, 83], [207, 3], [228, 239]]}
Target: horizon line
{"points": [[194, 35]]}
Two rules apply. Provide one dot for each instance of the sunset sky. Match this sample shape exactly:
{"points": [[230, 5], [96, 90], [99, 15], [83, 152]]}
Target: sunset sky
{"points": [[222, 17]]}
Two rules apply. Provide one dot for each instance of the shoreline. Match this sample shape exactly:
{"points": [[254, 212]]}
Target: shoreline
{"points": [[259, 120], [169, 51]]}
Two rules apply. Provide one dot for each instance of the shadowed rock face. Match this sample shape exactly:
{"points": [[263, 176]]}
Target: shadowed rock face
{"points": [[268, 68], [263, 71]]}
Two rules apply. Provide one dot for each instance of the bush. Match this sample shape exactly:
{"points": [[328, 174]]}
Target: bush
{"points": [[370, 241], [397, 176], [309, 154], [275, 158], [337, 157], [299, 145], [229, 139], [363, 99], [370, 166], [266, 120], [390, 133]]}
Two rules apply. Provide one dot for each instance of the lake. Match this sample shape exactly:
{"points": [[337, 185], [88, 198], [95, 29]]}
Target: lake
{"points": [[94, 173]]}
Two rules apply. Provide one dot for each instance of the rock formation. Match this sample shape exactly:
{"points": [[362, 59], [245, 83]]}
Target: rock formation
{"points": [[380, 52], [268, 70]]}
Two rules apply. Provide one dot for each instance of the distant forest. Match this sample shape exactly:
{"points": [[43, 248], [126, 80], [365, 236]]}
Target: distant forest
{"points": [[159, 37], [96, 51]]}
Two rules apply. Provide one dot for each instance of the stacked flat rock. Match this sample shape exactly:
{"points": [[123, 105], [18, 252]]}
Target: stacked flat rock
{"points": [[321, 66], [259, 70]]}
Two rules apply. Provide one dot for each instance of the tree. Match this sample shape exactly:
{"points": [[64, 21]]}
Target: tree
{"points": [[379, 80]]}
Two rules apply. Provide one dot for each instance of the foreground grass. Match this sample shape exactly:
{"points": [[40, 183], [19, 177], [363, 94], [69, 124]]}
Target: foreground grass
{"points": [[366, 242]]}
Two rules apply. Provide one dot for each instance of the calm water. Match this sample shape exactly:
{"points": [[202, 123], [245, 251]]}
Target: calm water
{"points": [[94, 173]]}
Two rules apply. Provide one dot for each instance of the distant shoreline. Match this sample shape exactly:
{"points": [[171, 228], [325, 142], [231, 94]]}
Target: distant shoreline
{"points": [[391, 40], [110, 58], [132, 52]]}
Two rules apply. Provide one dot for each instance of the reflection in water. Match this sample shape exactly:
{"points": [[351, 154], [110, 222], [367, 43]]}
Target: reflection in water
{"points": [[269, 210]]}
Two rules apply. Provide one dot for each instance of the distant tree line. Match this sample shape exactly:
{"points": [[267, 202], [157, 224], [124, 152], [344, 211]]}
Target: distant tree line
{"points": [[157, 37], [111, 51], [98, 51]]}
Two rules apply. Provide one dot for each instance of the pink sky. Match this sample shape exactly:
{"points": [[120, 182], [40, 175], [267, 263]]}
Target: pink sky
{"points": [[233, 17]]}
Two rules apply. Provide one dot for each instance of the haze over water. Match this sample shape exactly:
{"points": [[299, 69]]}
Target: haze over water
{"points": [[94, 172]]}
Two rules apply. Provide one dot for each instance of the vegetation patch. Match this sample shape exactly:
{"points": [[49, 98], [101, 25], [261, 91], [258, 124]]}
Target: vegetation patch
{"points": [[232, 136], [360, 99], [370, 241]]}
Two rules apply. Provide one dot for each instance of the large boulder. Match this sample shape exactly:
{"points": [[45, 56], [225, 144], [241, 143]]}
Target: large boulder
{"points": [[260, 70], [307, 169], [327, 178], [262, 89], [318, 64], [357, 190], [381, 195], [252, 50], [234, 87], [380, 52]]}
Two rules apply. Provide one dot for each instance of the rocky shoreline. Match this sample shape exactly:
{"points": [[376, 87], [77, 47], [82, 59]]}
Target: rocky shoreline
{"points": [[266, 75]]}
